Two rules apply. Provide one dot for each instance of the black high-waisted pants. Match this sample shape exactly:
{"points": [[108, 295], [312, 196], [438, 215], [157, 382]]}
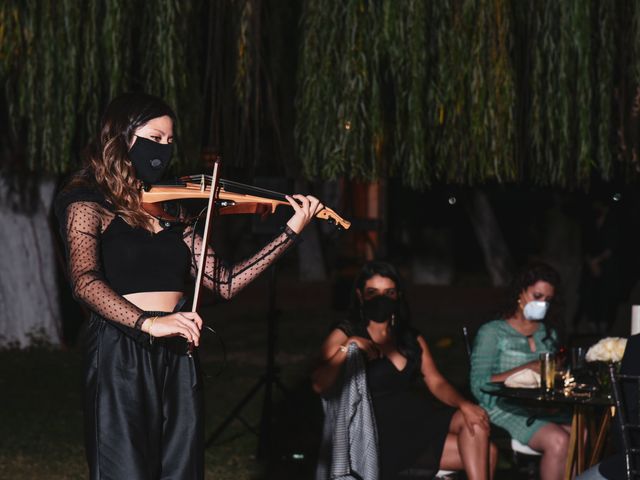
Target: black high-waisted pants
{"points": [[143, 407]]}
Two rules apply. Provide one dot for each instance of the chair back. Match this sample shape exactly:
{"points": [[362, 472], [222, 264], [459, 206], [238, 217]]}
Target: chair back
{"points": [[626, 395], [467, 342]]}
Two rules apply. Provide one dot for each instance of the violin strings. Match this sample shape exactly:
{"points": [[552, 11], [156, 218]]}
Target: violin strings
{"points": [[250, 188], [240, 186]]}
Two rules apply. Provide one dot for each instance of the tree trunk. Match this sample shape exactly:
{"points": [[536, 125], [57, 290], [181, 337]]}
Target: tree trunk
{"points": [[497, 257], [433, 260], [29, 305]]}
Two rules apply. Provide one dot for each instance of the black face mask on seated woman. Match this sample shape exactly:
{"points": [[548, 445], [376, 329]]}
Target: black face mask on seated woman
{"points": [[150, 159], [379, 309]]}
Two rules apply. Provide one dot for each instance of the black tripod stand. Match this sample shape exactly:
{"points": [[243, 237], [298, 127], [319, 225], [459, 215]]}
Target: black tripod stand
{"points": [[267, 380]]}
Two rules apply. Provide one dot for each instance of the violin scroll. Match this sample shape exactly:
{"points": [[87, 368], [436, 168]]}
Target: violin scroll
{"points": [[333, 218]]}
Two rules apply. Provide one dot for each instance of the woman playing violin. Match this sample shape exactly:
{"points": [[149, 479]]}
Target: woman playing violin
{"points": [[143, 392]]}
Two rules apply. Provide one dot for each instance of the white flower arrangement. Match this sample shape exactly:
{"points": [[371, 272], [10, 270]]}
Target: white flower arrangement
{"points": [[610, 350]]}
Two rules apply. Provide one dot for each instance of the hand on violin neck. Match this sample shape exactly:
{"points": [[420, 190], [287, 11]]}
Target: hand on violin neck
{"points": [[305, 208]]}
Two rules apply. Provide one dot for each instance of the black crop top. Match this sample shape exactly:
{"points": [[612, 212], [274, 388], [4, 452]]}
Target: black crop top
{"points": [[136, 260], [107, 258]]}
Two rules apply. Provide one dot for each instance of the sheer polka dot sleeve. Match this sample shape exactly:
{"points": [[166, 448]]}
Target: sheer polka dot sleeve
{"points": [[83, 224], [227, 280]]}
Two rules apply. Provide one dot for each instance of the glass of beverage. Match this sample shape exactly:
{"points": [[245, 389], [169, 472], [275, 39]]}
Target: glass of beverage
{"points": [[577, 358], [547, 371], [559, 380]]}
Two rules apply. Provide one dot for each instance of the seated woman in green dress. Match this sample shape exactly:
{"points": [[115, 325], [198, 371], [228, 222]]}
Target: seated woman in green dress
{"points": [[505, 346]]}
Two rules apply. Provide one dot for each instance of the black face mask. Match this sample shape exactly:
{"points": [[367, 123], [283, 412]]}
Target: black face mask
{"points": [[150, 159], [379, 308]]}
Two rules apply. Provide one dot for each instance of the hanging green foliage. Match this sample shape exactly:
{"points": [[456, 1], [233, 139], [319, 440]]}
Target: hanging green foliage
{"points": [[62, 61], [448, 107], [406, 27], [604, 88], [339, 113], [170, 52], [473, 87], [562, 94], [626, 53], [472, 90], [12, 51], [248, 78], [249, 59], [456, 91]]}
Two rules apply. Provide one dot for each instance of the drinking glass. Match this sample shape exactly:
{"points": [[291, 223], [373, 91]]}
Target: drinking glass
{"points": [[559, 379], [577, 358], [547, 371]]}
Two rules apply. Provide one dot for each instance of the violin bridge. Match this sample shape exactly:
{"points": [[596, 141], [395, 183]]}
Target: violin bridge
{"points": [[203, 185]]}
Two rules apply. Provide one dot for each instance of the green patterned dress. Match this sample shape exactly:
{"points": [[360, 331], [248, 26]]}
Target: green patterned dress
{"points": [[499, 347]]}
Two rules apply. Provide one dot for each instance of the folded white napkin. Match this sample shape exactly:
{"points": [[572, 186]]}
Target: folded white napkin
{"points": [[526, 378]]}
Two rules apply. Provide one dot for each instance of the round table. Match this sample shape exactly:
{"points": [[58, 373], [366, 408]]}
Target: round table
{"points": [[583, 407]]}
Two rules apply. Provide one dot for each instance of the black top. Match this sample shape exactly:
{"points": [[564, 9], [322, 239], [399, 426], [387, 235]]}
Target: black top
{"points": [[136, 260]]}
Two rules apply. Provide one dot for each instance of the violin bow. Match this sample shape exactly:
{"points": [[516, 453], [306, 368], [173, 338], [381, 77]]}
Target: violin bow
{"points": [[215, 177]]}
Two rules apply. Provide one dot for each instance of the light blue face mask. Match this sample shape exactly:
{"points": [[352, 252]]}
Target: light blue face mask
{"points": [[535, 310]]}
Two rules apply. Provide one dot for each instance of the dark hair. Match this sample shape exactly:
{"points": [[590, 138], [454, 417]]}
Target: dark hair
{"points": [[107, 162], [405, 335], [528, 276]]}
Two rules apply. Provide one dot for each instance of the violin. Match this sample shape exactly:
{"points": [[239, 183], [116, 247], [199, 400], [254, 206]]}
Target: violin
{"points": [[231, 198]]}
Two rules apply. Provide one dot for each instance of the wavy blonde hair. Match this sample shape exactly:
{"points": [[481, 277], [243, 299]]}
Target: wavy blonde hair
{"points": [[107, 164]]}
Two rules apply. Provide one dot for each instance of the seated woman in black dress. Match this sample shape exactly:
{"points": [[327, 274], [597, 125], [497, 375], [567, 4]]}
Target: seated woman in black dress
{"points": [[411, 432]]}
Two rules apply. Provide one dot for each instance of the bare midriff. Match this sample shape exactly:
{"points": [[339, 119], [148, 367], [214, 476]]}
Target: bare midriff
{"points": [[155, 301]]}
